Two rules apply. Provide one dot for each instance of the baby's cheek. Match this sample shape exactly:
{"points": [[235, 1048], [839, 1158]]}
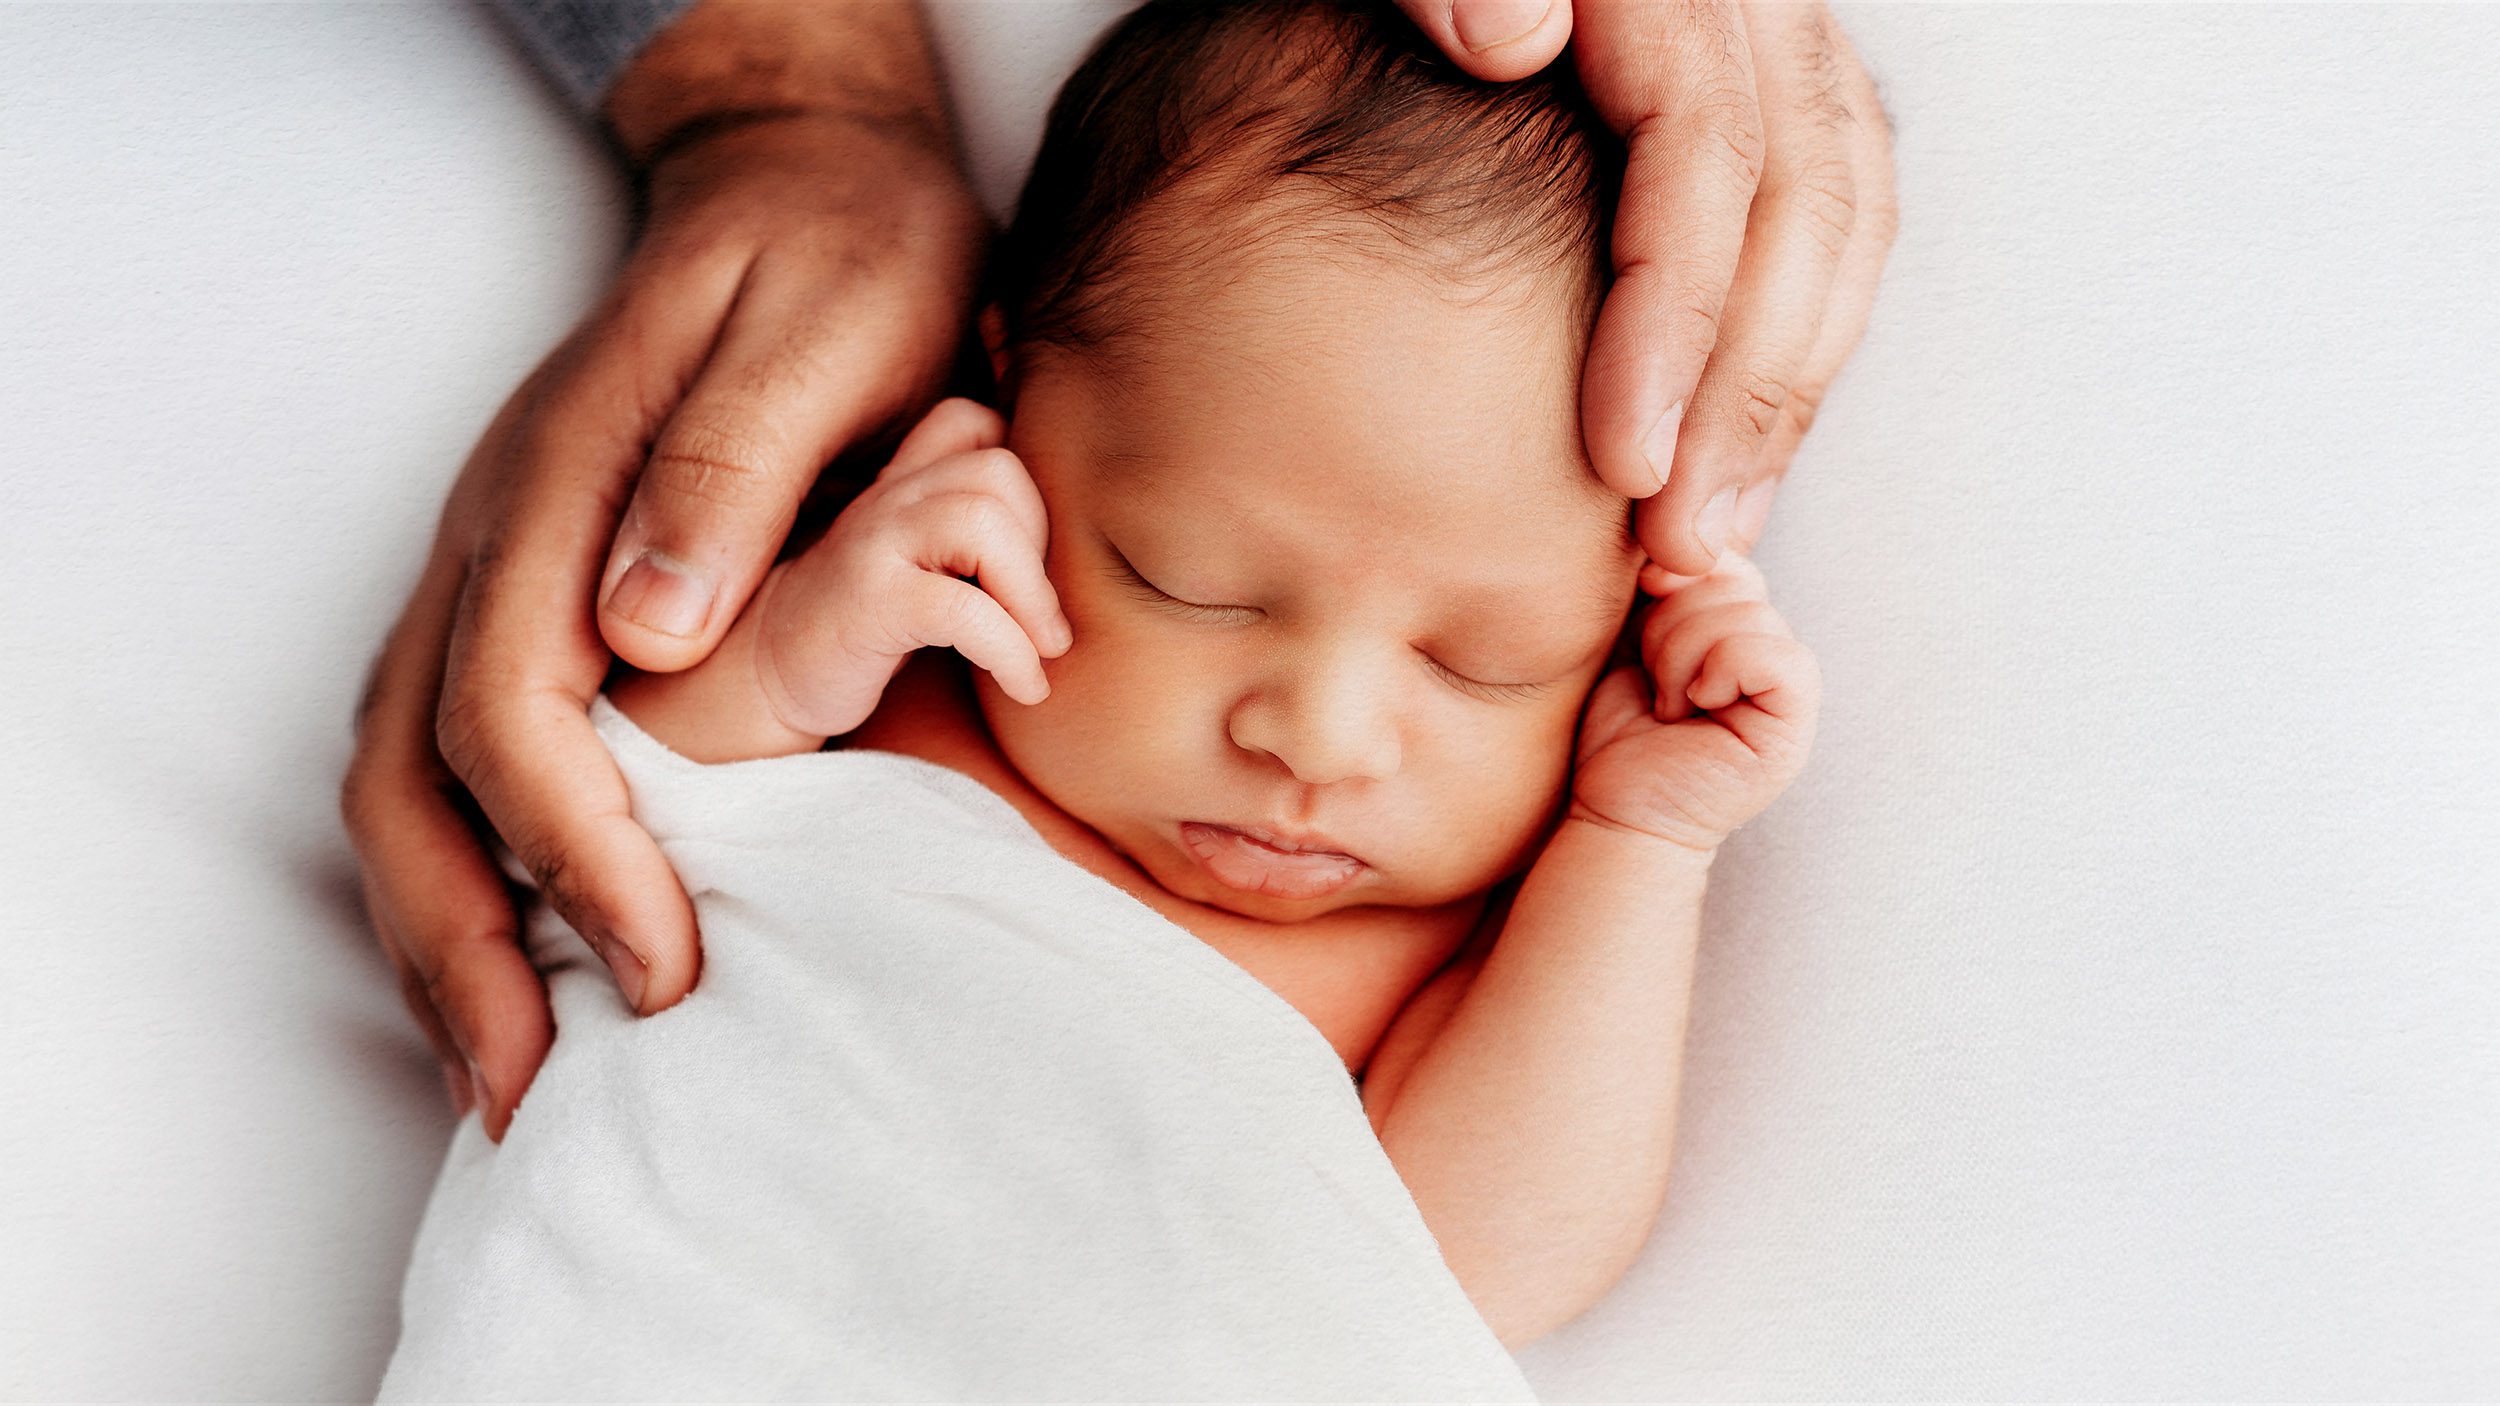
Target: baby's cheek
{"points": [[1112, 713], [1504, 783]]}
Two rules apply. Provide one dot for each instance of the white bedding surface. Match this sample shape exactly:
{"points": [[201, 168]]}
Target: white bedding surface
{"points": [[2113, 1009]]}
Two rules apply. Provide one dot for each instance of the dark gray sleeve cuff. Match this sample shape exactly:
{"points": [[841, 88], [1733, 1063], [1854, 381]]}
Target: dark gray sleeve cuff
{"points": [[583, 44]]}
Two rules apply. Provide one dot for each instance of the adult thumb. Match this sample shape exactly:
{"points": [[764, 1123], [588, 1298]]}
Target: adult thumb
{"points": [[782, 393], [1494, 39]]}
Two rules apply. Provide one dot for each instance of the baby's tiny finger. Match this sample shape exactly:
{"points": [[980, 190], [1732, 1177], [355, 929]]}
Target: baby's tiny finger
{"points": [[977, 535], [1764, 688], [1675, 652], [952, 426], [950, 614], [1705, 596]]}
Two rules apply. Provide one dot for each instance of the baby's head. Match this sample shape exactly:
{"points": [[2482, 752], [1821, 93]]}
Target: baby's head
{"points": [[1289, 328]]}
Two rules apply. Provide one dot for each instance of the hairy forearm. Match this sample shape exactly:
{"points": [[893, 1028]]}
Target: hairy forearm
{"points": [[1536, 1129], [867, 62]]}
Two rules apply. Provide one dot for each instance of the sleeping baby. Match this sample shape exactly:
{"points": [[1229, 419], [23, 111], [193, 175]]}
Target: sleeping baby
{"points": [[1286, 630]]}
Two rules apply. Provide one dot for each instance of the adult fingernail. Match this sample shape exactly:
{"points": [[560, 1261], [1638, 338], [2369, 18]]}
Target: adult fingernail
{"points": [[484, 1096], [1489, 24], [660, 593], [462, 1085], [1717, 520], [1658, 446], [632, 977]]}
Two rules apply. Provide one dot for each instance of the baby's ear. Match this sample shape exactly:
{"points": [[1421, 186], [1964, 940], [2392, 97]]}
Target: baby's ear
{"points": [[993, 321]]}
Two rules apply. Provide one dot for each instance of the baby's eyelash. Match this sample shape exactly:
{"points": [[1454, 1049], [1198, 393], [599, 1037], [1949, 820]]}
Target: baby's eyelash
{"points": [[1156, 595], [1129, 576], [1490, 692]]}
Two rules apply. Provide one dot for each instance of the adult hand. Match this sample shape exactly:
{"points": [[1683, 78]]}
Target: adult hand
{"points": [[802, 278], [1757, 210]]}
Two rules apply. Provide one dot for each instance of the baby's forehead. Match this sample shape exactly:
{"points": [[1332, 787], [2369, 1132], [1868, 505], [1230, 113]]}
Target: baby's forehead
{"points": [[1356, 382]]}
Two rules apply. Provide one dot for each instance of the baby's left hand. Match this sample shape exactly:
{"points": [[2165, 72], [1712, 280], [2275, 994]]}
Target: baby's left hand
{"points": [[1719, 727]]}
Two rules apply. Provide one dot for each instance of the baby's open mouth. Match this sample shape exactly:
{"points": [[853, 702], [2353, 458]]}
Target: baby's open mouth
{"points": [[1256, 860]]}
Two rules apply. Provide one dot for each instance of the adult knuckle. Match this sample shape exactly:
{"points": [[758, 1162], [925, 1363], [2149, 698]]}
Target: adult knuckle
{"points": [[467, 731], [1725, 128], [1824, 196], [561, 883], [1820, 50], [1759, 394], [1697, 313], [710, 464]]}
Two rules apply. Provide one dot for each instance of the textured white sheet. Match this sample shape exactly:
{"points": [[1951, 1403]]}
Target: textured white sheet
{"points": [[2112, 1009]]}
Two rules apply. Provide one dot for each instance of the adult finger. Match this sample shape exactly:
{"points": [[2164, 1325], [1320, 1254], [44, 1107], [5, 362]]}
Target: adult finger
{"points": [[1869, 136], [470, 968], [436, 899], [1677, 81], [550, 788], [793, 378], [1801, 222], [1494, 39], [458, 1081], [524, 663]]}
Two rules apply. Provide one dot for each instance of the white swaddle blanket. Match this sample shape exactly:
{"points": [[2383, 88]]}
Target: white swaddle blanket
{"points": [[947, 1117]]}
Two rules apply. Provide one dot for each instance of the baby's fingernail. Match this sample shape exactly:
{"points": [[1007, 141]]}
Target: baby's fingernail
{"points": [[1717, 520], [662, 594], [1062, 635], [1658, 446], [1489, 24], [632, 977]]}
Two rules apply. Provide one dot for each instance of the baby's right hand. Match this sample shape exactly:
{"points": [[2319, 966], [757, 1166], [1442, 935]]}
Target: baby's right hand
{"points": [[837, 622]]}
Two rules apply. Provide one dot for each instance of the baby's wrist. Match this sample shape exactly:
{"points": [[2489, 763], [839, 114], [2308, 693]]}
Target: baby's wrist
{"points": [[716, 711], [1693, 851]]}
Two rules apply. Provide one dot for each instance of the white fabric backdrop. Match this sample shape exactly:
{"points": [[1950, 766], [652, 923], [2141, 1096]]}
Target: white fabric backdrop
{"points": [[2113, 1008]]}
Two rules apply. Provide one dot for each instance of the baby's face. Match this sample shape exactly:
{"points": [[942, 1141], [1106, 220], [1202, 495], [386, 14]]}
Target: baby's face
{"points": [[1340, 581]]}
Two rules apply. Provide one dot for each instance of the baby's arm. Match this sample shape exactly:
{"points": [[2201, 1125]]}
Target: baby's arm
{"points": [[828, 629], [1527, 1096]]}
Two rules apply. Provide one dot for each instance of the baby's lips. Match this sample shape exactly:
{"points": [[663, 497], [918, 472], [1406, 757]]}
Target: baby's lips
{"points": [[1241, 861]]}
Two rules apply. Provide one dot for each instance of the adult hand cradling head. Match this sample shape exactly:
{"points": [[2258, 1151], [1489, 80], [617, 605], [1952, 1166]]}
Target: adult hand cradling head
{"points": [[800, 283]]}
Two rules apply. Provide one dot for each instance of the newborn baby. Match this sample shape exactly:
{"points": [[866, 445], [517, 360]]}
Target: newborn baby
{"points": [[1293, 609], [1293, 603]]}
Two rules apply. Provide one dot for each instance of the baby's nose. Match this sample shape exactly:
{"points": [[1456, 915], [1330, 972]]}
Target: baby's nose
{"points": [[1325, 723]]}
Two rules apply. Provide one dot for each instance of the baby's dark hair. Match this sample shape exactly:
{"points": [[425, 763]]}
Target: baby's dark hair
{"points": [[1203, 127]]}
